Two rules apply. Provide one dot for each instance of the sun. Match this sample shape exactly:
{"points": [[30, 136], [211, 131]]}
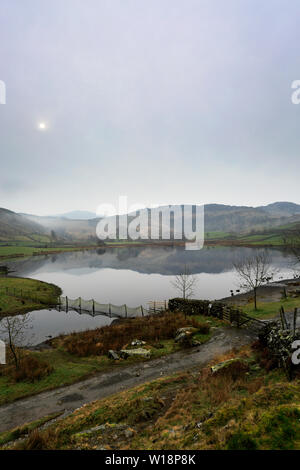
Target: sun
{"points": [[42, 126]]}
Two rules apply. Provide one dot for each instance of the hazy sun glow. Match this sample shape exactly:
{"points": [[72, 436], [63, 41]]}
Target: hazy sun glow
{"points": [[42, 126]]}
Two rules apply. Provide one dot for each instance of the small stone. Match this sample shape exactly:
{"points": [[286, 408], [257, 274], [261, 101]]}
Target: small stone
{"points": [[137, 342], [113, 355], [128, 433]]}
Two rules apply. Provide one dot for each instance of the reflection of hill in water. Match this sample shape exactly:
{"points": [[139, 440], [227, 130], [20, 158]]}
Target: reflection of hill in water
{"points": [[148, 260]]}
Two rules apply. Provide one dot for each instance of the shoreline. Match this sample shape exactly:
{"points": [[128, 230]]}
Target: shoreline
{"points": [[38, 295], [160, 244]]}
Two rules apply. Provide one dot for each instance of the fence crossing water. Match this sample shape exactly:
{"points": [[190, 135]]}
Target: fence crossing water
{"points": [[94, 308]]}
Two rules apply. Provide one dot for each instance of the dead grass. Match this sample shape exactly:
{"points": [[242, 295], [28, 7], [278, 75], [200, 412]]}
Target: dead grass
{"points": [[151, 329], [30, 369], [242, 407]]}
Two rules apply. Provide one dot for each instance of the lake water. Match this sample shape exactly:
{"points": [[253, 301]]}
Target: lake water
{"points": [[131, 276]]}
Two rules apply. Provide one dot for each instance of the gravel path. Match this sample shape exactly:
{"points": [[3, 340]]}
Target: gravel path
{"points": [[67, 399]]}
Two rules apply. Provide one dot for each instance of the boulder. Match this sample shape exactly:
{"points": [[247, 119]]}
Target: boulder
{"points": [[139, 352], [182, 334], [186, 329], [113, 355], [227, 364]]}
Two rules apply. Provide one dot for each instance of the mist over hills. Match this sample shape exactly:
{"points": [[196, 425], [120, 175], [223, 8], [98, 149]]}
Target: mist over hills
{"points": [[14, 225], [77, 215], [218, 218]]}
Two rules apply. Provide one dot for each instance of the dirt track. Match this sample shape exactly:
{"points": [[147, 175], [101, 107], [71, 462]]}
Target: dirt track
{"points": [[101, 385]]}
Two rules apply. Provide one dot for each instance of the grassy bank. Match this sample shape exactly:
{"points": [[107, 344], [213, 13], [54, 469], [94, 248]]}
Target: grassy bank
{"points": [[267, 310], [245, 406], [70, 367], [20, 295], [21, 250], [24, 430]]}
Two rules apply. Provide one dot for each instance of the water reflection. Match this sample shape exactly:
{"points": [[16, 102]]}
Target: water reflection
{"points": [[130, 275], [135, 275]]}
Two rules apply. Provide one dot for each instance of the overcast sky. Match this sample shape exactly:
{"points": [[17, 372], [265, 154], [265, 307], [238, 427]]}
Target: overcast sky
{"points": [[165, 101]]}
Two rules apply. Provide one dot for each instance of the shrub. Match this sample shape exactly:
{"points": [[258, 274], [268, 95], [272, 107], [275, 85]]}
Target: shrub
{"points": [[235, 369], [241, 441], [189, 306], [31, 369], [37, 440]]}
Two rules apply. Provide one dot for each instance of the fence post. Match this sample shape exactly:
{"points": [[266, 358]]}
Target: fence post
{"points": [[283, 319], [295, 321], [238, 319], [142, 310], [93, 307], [79, 302], [109, 309], [154, 306], [126, 310], [165, 305], [67, 304]]}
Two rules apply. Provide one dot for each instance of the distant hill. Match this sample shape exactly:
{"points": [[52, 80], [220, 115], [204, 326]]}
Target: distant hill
{"points": [[14, 225], [78, 215], [223, 218], [218, 218], [282, 209], [67, 229]]}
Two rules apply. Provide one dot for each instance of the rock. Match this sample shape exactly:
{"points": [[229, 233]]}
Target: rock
{"points": [[183, 333], [225, 364], [186, 329], [147, 399], [113, 355], [181, 337], [128, 433], [92, 430], [137, 342], [139, 352]]}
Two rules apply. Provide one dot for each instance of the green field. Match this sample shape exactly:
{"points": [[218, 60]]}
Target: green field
{"points": [[271, 309], [25, 246], [23, 249], [19, 295]]}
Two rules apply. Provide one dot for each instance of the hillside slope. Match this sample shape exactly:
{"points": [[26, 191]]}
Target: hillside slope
{"points": [[16, 226], [217, 217]]}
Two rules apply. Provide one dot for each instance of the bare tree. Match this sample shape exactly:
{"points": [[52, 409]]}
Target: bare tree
{"points": [[254, 272], [14, 331], [185, 283]]}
